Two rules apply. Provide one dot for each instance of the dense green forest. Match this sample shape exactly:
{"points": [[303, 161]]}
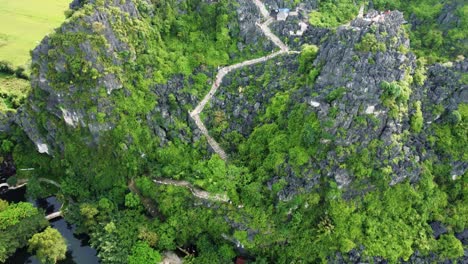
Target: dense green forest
{"points": [[127, 73]]}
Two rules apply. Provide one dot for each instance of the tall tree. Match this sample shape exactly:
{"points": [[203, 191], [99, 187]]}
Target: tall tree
{"points": [[49, 245]]}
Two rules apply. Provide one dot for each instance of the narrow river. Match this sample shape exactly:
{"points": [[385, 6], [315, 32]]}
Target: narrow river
{"points": [[78, 251]]}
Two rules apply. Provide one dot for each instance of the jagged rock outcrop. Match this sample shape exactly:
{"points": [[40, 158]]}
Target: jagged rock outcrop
{"points": [[348, 93], [98, 81], [82, 73], [250, 34], [6, 120], [71, 87], [443, 86], [440, 96], [358, 67], [243, 95]]}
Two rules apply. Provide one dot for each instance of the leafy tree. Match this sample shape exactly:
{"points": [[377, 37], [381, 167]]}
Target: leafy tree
{"points": [[449, 246], [132, 201], [369, 43], [88, 212], [13, 214], [307, 57], [143, 253], [148, 236], [18, 222], [49, 245], [332, 13]]}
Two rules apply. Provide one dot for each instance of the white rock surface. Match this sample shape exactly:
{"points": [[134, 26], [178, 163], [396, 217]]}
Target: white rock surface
{"points": [[71, 119], [370, 109], [314, 103], [43, 148]]}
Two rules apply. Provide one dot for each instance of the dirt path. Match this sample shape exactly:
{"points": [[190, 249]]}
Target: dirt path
{"points": [[195, 114], [266, 30], [361, 11], [262, 8], [147, 202]]}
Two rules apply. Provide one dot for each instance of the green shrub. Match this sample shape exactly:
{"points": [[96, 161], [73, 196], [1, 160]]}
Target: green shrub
{"points": [[392, 90], [369, 43], [307, 57], [20, 72], [420, 72], [452, 138], [335, 94], [332, 13], [6, 67], [455, 117], [7, 146], [449, 246], [416, 120]]}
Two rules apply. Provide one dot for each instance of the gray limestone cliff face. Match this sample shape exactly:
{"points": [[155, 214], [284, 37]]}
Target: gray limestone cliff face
{"points": [[361, 114], [61, 94], [441, 95], [84, 98], [250, 35], [358, 69], [245, 93], [443, 86], [347, 94]]}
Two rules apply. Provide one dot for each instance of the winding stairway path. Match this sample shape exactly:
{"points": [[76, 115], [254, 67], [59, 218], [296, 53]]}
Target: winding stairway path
{"points": [[195, 114]]}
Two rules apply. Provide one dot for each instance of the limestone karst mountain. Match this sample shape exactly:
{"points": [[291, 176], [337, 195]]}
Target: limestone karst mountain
{"points": [[305, 143]]}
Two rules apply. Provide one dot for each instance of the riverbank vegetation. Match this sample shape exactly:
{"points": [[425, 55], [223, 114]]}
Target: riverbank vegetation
{"points": [[18, 223]]}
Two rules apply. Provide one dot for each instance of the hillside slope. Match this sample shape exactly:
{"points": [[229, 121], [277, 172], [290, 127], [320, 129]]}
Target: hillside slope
{"points": [[341, 146]]}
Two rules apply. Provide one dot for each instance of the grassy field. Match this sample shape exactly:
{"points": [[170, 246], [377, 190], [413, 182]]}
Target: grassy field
{"points": [[23, 24], [13, 92]]}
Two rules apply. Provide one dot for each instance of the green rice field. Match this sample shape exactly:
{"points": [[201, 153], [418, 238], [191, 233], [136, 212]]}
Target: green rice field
{"points": [[24, 23]]}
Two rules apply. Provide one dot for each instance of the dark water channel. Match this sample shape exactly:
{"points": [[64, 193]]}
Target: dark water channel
{"points": [[78, 249]]}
